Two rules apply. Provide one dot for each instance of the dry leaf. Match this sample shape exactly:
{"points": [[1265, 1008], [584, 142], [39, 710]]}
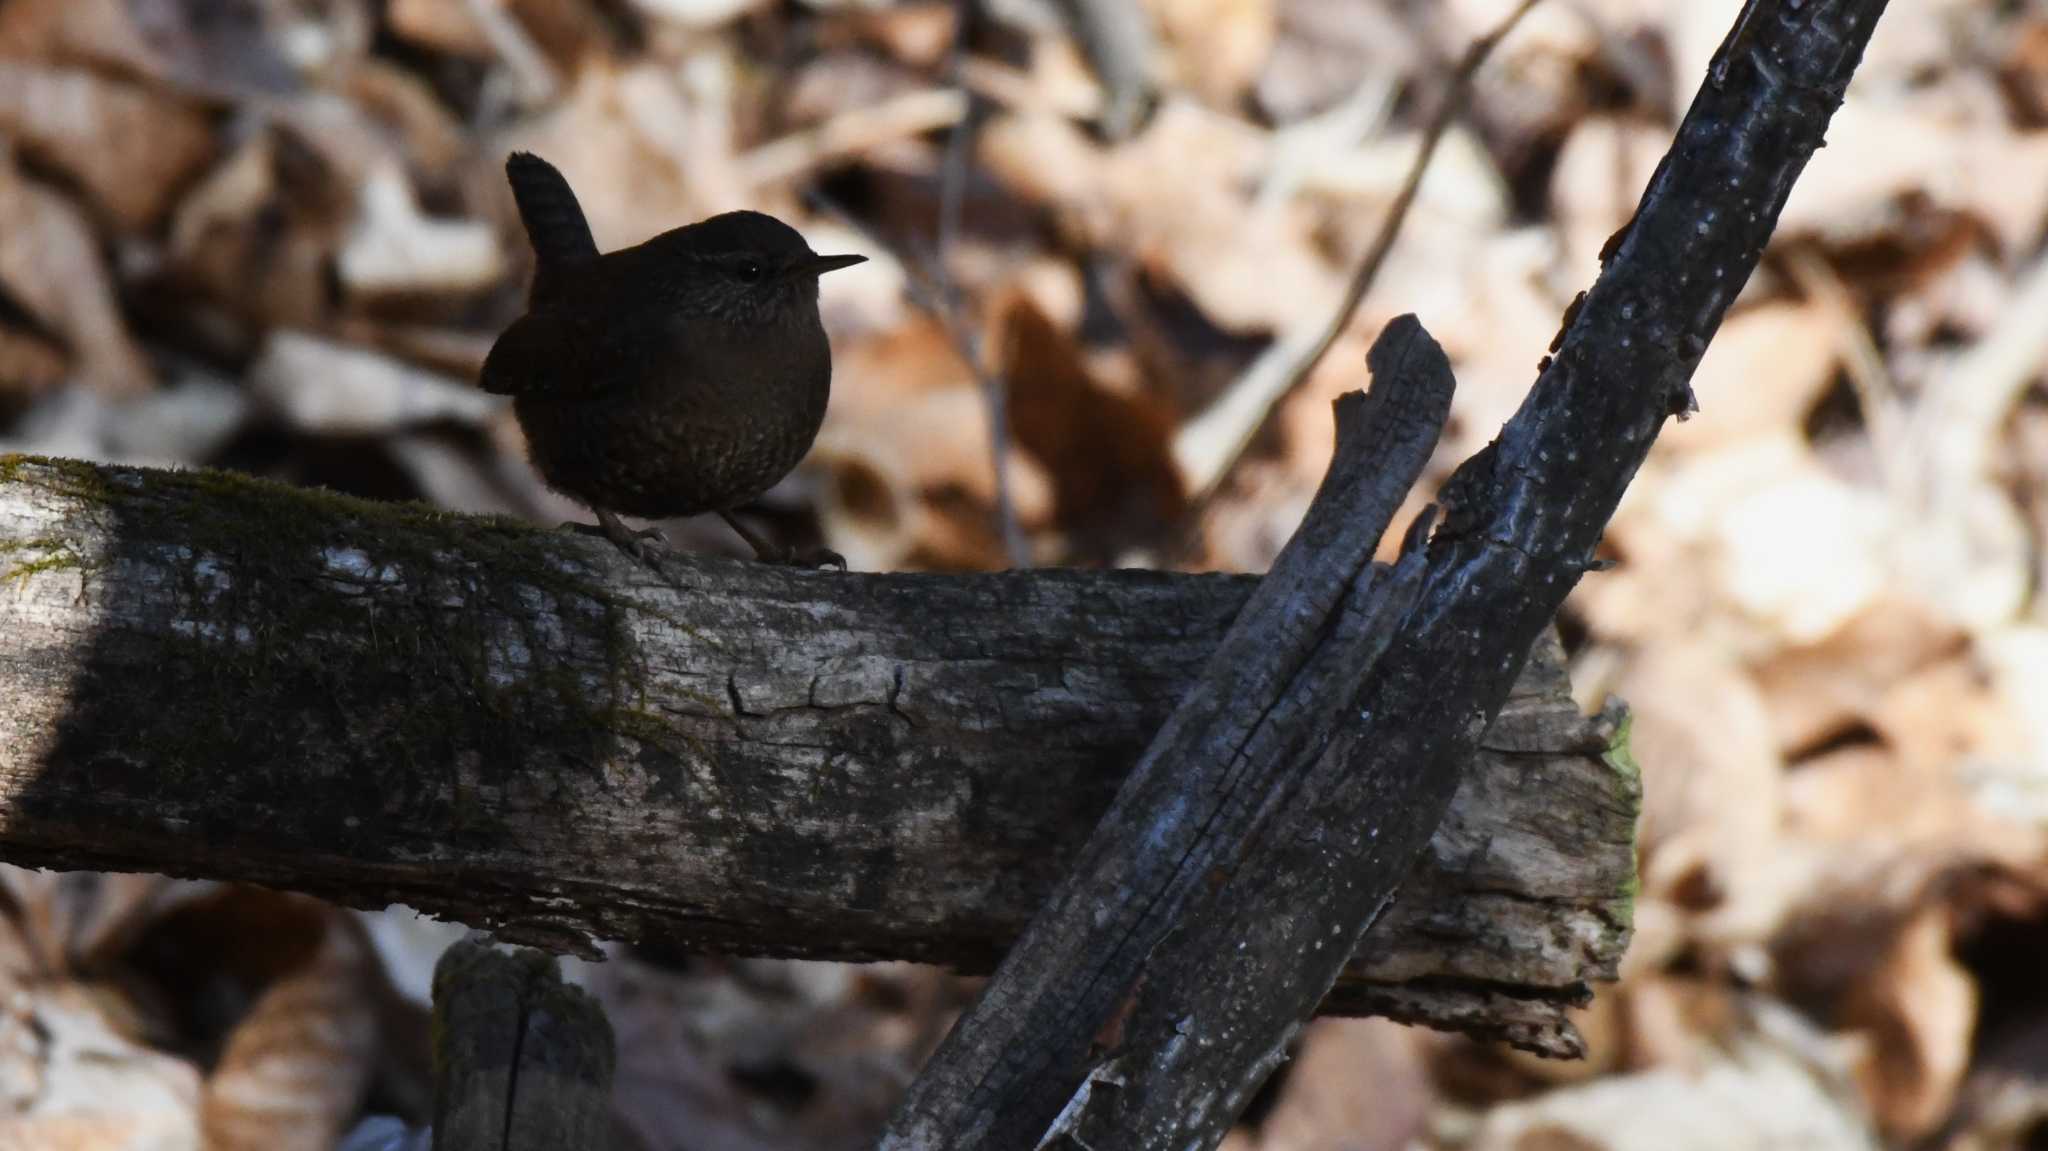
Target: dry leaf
{"points": [[102, 33], [394, 250], [1758, 1094], [1765, 371], [431, 140], [696, 13], [1880, 154], [1599, 178], [1820, 691], [1216, 47], [1248, 271], [73, 922], [1323, 48], [1710, 783], [260, 232], [68, 1082], [131, 149], [1920, 1008], [294, 1068], [340, 390], [443, 25], [1353, 1085], [629, 188], [1801, 551], [904, 458], [1110, 456], [1677, 1022], [1947, 714], [569, 31], [30, 363], [50, 265], [919, 34]]}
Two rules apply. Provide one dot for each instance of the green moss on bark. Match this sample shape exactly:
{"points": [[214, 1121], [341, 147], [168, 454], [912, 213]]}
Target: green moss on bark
{"points": [[427, 654], [1619, 758]]}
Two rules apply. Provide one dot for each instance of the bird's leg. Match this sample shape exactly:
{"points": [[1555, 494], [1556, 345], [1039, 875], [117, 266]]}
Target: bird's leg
{"points": [[769, 553], [641, 545]]}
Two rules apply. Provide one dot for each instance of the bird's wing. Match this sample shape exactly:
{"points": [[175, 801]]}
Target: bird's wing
{"points": [[583, 350], [537, 355]]}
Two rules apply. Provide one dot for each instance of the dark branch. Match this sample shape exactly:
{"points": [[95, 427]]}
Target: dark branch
{"points": [[1202, 1018], [1211, 781]]}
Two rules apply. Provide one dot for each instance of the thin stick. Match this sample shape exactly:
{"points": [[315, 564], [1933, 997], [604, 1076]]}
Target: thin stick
{"points": [[1117, 38], [1291, 360], [532, 73], [995, 389], [1876, 394], [931, 288], [851, 133], [932, 296]]}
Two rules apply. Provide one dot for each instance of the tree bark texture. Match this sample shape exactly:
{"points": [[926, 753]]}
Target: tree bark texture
{"points": [[207, 675]]}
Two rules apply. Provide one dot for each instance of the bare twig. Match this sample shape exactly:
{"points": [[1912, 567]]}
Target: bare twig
{"points": [[1211, 448], [1117, 38], [930, 286], [533, 77], [1957, 422], [995, 389], [1863, 363], [852, 132]]}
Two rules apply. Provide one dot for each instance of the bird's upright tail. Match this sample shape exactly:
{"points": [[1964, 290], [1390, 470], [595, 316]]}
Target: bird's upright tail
{"points": [[554, 220]]}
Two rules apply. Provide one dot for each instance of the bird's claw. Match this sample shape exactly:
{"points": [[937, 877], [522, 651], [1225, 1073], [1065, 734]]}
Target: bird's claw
{"points": [[800, 557], [814, 558], [646, 545], [769, 553]]}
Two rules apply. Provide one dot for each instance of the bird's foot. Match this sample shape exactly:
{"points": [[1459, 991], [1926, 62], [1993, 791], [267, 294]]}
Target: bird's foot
{"points": [[645, 545], [808, 558], [800, 557], [769, 553]]}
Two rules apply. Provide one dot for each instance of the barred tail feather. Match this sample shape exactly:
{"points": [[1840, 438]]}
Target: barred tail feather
{"points": [[554, 220]]}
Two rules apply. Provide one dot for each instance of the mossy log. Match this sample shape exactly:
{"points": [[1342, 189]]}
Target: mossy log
{"points": [[519, 729]]}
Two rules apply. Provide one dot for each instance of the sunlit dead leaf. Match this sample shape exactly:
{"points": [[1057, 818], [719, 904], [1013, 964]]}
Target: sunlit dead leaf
{"points": [[50, 266], [294, 1068], [1110, 456], [338, 389], [394, 250], [443, 25], [131, 149], [71, 1083], [1920, 1008]]}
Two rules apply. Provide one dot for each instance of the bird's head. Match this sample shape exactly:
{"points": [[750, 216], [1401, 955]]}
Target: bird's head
{"points": [[747, 268]]}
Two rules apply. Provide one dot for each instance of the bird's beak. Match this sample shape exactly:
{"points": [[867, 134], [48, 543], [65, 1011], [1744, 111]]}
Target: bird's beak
{"points": [[819, 265]]}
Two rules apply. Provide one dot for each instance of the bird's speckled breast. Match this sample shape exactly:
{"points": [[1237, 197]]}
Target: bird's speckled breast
{"points": [[687, 441]]}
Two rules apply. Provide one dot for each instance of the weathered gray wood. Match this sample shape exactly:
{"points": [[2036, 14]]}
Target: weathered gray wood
{"points": [[522, 1061], [516, 728], [1227, 760], [1525, 517]]}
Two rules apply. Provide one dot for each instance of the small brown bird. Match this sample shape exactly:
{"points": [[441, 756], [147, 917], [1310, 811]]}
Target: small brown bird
{"points": [[683, 375]]}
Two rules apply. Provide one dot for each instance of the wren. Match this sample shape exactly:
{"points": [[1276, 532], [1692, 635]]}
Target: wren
{"points": [[683, 375]]}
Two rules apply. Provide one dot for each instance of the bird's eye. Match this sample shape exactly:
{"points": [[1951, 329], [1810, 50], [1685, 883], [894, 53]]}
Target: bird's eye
{"points": [[748, 271]]}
